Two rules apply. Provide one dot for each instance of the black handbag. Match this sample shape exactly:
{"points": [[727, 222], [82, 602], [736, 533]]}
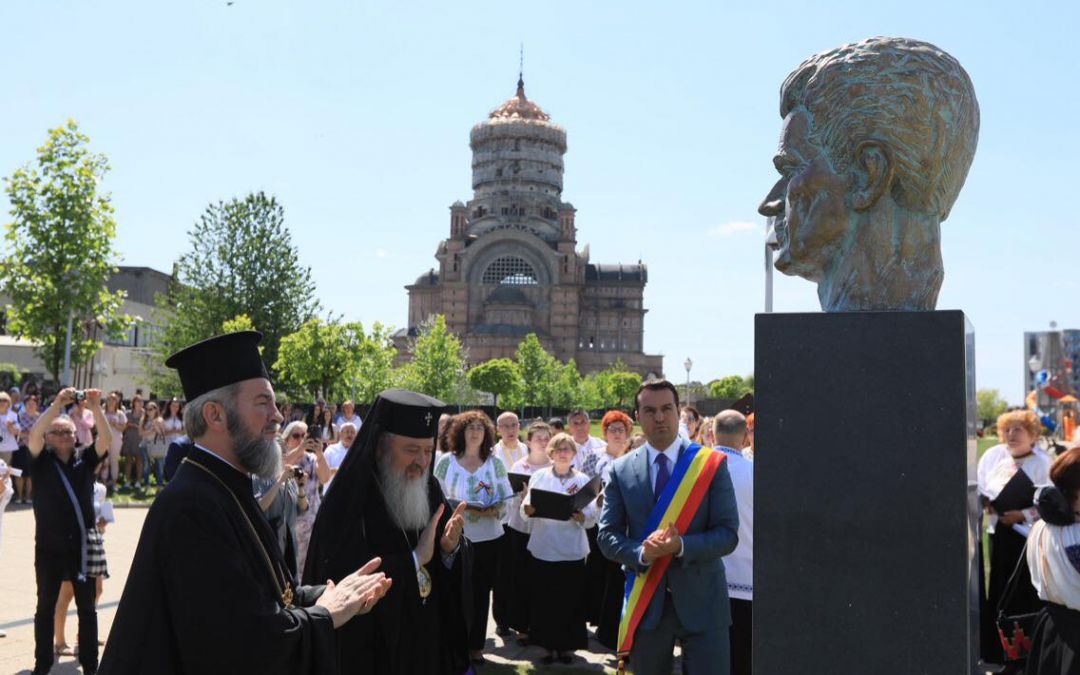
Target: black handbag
{"points": [[1015, 630]]}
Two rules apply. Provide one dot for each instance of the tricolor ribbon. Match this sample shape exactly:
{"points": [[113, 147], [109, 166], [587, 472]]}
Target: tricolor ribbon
{"points": [[677, 504]]}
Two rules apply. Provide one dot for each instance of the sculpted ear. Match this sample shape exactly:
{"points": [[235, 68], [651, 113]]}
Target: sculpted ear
{"points": [[874, 169]]}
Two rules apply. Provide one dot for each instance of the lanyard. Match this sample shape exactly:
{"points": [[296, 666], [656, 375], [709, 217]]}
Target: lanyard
{"points": [[78, 516]]}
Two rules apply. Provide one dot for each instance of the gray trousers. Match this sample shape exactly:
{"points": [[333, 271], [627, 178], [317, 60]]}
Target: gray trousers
{"points": [[704, 653]]}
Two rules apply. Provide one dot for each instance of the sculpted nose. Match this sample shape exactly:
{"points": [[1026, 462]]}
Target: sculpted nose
{"points": [[773, 205]]}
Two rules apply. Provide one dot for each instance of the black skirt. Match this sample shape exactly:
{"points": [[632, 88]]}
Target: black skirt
{"points": [[513, 585], [594, 578], [1056, 642], [20, 459], [607, 630], [558, 605], [1006, 547]]}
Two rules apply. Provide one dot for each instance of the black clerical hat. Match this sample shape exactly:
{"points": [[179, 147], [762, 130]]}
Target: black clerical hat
{"points": [[408, 413], [745, 405], [218, 362]]}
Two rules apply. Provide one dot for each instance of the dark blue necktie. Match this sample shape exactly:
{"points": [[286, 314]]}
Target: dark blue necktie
{"points": [[663, 475]]}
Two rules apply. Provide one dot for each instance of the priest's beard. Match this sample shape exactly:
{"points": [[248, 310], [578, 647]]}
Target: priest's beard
{"points": [[258, 455], [406, 499]]}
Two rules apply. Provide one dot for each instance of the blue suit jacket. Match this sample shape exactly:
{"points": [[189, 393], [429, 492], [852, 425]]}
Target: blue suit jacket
{"points": [[697, 581]]}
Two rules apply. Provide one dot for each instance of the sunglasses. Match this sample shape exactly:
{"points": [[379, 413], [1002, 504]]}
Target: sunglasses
{"points": [[297, 435]]}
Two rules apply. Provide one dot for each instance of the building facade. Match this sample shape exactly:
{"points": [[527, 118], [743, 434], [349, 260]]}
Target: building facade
{"points": [[118, 365], [511, 266]]}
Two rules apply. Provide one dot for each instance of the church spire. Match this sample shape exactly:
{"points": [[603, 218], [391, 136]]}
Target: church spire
{"points": [[521, 72]]}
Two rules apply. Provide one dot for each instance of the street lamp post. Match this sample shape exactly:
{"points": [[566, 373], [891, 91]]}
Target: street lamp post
{"points": [[771, 244], [688, 364]]}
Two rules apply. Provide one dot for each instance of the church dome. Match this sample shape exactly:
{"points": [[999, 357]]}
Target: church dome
{"points": [[518, 107]]}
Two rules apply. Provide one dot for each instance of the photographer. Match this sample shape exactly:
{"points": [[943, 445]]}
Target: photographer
{"points": [[283, 499], [63, 475]]}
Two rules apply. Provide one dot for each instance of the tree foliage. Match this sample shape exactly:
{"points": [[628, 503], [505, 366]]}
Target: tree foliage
{"points": [[538, 370], [60, 243], [335, 361], [990, 404], [498, 377], [438, 364], [731, 387], [241, 261]]}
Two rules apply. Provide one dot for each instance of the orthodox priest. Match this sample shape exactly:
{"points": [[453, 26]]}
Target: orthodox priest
{"points": [[209, 590], [385, 502]]}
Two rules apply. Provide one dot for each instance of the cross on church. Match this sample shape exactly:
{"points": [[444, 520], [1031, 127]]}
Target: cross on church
{"points": [[427, 419]]}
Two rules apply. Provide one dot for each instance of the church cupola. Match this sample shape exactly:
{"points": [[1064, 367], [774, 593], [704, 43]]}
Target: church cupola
{"points": [[458, 220], [567, 228]]}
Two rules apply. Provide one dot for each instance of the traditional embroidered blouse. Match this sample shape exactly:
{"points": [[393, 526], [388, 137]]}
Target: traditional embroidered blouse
{"points": [[1053, 556], [487, 484]]}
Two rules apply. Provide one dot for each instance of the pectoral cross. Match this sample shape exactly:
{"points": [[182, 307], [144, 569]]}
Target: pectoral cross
{"points": [[427, 419]]}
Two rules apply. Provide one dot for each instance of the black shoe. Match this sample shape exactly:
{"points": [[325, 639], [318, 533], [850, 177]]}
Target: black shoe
{"points": [[502, 631], [523, 640], [566, 658]]}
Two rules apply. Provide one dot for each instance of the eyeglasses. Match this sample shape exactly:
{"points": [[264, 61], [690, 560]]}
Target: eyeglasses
{"points": [[60, 432], [297, 435], [618, 428], [474, 427]]}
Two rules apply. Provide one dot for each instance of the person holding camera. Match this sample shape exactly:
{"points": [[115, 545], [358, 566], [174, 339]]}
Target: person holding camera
{"points": [[304, 451], [283, 499], [63, 476]]}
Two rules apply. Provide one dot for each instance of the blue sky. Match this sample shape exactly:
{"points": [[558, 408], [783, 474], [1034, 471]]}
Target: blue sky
{"points": [[356, 116]]}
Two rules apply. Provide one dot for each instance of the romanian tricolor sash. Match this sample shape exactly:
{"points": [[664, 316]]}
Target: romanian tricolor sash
{"points": [[677, 504]]}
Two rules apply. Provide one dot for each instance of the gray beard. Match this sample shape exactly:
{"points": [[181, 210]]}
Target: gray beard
{"points": [[258, 456], [406, 500]]}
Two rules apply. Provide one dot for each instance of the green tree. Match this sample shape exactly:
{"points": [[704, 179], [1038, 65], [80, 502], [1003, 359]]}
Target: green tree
{"points": [[335, 360], [498, 377], [568, 385], [622, 386], [990, 405], [438, 363], [538, 370], [60, 257], [241, 261], [731, 387]]}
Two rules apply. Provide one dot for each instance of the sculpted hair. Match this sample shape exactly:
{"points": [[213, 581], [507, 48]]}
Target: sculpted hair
{"points": [[909, 94], [560, 439], [613, 416], [194, 423]]}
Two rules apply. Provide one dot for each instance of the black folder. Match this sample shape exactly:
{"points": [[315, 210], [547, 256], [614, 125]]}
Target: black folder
{"points": [[1018, 494], [557, 506], [478, 505], [518, 481]]}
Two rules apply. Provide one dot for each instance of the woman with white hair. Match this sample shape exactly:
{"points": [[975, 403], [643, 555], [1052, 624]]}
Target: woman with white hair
{"points": [[304, 459]]}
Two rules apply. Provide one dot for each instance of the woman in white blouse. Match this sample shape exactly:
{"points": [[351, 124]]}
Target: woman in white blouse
{"points": [[1020, 430], [559, 547], [1053, 555], [471, 473], [516, 562]]}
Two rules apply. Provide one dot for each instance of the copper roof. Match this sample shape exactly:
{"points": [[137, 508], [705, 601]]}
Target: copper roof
{"points": [[519, 107]]}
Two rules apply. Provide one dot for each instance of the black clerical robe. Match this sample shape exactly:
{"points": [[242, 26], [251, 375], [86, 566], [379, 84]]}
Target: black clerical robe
{"points": [[200, 598], [403, 634]]}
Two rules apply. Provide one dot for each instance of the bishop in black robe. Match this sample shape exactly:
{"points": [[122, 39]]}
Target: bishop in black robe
{"points": [[200, 597], [404, 634], [209, 591]]}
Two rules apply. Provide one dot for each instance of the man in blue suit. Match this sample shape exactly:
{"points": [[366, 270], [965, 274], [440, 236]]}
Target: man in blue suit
{"points": [[691, 603]]}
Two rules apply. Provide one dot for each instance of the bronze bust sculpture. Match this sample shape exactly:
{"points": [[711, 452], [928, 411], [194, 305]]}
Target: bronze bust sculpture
{"points": [[877, 139]]}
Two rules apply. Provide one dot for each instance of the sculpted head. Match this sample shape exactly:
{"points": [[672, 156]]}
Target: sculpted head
{"points": [[876, 143]]}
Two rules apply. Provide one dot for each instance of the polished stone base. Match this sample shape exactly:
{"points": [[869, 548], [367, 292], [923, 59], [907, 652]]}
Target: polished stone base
{"points": [[865, 512]]}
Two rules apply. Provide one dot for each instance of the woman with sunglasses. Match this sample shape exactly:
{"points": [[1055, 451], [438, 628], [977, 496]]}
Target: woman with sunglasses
{"points": [[305, 471]]}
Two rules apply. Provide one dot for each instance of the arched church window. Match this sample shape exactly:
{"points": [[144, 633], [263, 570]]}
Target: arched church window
{"points": [[510, 270]]}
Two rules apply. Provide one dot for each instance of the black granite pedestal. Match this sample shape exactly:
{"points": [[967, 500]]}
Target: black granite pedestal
{"points": [[865, 510]]}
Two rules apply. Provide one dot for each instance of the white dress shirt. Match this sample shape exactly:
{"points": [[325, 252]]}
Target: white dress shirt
{"points": [[672, 454], [739, 564]]}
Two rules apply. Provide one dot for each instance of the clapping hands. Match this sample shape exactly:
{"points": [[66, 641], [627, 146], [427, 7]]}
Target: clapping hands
{"points": [[661, 543]]}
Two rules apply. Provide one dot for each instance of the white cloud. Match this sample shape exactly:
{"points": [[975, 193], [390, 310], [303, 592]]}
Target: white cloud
{"points": [[382, 253], [736, 227]]}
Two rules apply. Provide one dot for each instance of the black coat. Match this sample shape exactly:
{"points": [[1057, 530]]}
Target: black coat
{"points": [[200, 598]]}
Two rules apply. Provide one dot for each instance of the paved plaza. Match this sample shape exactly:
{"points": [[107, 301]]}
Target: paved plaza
{"points": [[18, 597]]}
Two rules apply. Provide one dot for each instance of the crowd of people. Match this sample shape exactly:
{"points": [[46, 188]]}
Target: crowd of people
{"points": [[456, 512]]}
